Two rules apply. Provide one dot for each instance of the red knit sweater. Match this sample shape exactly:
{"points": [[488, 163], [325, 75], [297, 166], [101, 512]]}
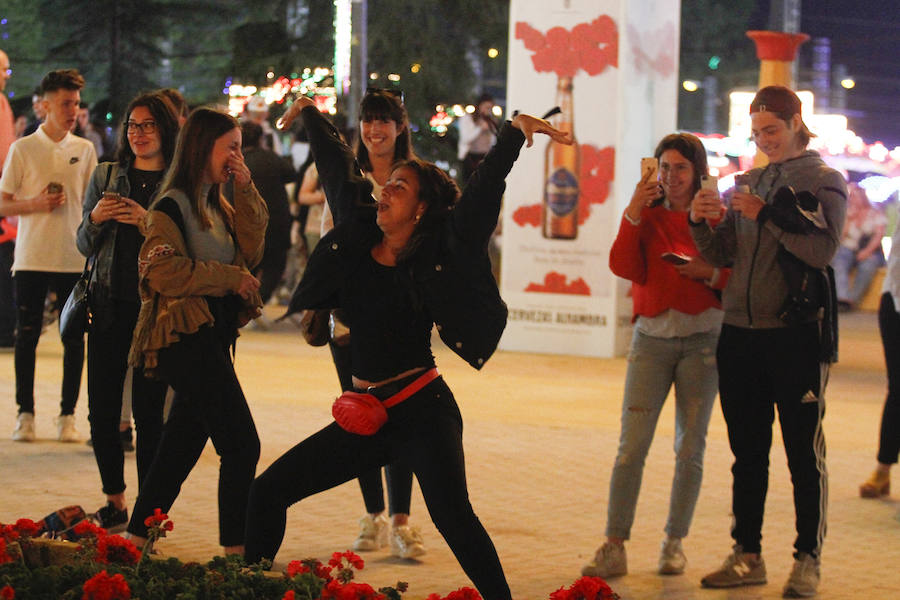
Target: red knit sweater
{"points": [[655, 284]]}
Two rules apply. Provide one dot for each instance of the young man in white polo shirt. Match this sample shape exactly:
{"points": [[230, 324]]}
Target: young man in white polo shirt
{"points": [[43, 182]]}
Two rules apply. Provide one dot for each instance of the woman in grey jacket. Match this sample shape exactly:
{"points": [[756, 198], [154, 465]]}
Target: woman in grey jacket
{"points": [[114, 207], [763, 360]]}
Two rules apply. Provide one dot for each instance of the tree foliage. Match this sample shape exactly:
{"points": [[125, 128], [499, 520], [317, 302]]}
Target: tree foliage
{"points": [[714, 28]]}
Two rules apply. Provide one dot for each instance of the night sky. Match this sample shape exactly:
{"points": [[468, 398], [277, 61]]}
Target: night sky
{"points": [[865, 36]]}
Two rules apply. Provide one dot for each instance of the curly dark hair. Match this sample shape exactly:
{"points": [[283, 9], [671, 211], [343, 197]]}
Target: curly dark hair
{"points": [[438, 191]]}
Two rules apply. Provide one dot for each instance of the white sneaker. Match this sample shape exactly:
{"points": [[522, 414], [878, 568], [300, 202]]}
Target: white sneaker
{"points": [[373, 533], [804, 579], [609, 561], [66, 426], [24, 431], [406, 542], [671, 557]]}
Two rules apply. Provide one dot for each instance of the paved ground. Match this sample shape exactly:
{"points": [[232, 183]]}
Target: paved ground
{"points": [[541, 434]]}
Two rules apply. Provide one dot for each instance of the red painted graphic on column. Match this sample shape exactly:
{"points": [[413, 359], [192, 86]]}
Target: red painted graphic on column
{"points": [[555, 283], [591, 47]]}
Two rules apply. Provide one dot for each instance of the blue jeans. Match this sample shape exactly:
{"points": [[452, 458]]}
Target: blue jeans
{"points": [[845, 261], [653, 365]]}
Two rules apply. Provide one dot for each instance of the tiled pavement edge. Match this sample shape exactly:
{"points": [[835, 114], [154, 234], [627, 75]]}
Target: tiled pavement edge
{"points": [[540, 434]]}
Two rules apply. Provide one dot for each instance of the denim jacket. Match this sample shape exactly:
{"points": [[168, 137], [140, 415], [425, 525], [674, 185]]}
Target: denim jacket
{"points": [[100, 240], [450, 270]]}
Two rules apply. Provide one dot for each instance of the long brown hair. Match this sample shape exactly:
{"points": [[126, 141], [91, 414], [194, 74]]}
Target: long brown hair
{"points": [[192, 152]]}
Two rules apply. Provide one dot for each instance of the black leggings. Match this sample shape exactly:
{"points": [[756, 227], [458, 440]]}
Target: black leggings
{"points": [[426, 429], [398, 474], [107, 363], [31, 290], [889, 325], [208, 404]]}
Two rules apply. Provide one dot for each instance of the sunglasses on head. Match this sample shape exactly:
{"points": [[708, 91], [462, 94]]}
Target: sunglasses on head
{"points": [[392, 91]]}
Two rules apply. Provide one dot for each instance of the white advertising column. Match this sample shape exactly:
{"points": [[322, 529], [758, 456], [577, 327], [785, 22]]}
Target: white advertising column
{"points": [[612, 68]]}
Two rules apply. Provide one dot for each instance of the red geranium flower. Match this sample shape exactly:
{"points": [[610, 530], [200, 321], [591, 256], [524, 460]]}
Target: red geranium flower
{"points": [[464, 593], [116, 549], [586, 588], [7, 593], [159, 519], [350, 591], [9, 532], [4, 555], [27, 527], [309, 565], [352, 560], [102, 586], [289, 595], [84, 528]]}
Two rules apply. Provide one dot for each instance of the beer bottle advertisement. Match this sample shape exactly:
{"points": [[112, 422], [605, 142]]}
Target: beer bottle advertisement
{"points": [[561, 169]]}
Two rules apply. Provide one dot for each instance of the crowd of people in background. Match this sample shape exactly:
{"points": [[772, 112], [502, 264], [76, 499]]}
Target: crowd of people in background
{"points": [[192, 221]]}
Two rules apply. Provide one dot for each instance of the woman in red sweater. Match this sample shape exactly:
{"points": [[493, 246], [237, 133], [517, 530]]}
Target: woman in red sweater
{"points": [[677, 317]]}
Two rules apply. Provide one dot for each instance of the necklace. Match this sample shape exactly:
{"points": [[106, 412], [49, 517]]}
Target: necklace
{"points": [[146, 181]]}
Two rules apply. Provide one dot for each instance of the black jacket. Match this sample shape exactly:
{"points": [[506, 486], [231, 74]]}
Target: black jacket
{"points": [[450, 271]]}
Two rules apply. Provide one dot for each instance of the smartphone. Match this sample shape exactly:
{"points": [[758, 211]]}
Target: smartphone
{"points": [[54, 187], [742, 183], [675, 259], [649, 165], [114, 196], [709, 182]]}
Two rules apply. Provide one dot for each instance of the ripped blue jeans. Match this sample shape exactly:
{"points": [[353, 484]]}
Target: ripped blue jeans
{"points": [[654, 364]]}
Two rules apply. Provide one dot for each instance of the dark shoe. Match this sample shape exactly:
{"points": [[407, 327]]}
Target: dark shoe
{"points": [[111, 518], [127, 440]]}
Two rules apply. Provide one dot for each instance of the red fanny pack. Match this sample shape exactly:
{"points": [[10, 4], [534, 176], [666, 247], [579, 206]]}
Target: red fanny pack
{"points": [[364, 414]]}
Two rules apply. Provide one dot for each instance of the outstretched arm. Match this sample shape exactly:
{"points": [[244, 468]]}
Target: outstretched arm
{"points": [[475, 215]]}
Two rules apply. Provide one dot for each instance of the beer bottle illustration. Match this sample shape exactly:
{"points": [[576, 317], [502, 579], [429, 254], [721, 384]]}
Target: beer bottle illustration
{"points": [[561, 168]]}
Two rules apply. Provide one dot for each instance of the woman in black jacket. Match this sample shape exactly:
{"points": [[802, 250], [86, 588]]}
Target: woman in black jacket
{"points": [[114, 207], [397, 267]]}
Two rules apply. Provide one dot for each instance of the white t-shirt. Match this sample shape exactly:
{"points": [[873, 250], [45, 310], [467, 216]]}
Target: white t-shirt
{"points": [[46, 240]]}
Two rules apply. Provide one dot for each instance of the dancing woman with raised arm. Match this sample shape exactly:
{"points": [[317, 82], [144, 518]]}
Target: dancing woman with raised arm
{"points": [[415, 259]]}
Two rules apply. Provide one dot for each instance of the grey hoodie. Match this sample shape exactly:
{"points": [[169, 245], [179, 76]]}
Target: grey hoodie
{"points": [[757, 289]]}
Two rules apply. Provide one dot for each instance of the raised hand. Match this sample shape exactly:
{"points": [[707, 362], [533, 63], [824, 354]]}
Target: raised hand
{"points": [[299, 104], [530, 125]]}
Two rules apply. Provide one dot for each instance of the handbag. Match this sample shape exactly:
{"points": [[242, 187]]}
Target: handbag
{"points": [[314, 327], [364, 414], [75, 315]]}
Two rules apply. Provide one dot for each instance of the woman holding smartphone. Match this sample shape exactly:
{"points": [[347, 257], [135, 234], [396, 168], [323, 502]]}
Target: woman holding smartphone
{"points": [[112, 231], [677, 316]]}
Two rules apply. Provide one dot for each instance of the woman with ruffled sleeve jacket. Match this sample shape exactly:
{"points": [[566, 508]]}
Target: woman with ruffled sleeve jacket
{"points": [[196, 291], [415, 258]]}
